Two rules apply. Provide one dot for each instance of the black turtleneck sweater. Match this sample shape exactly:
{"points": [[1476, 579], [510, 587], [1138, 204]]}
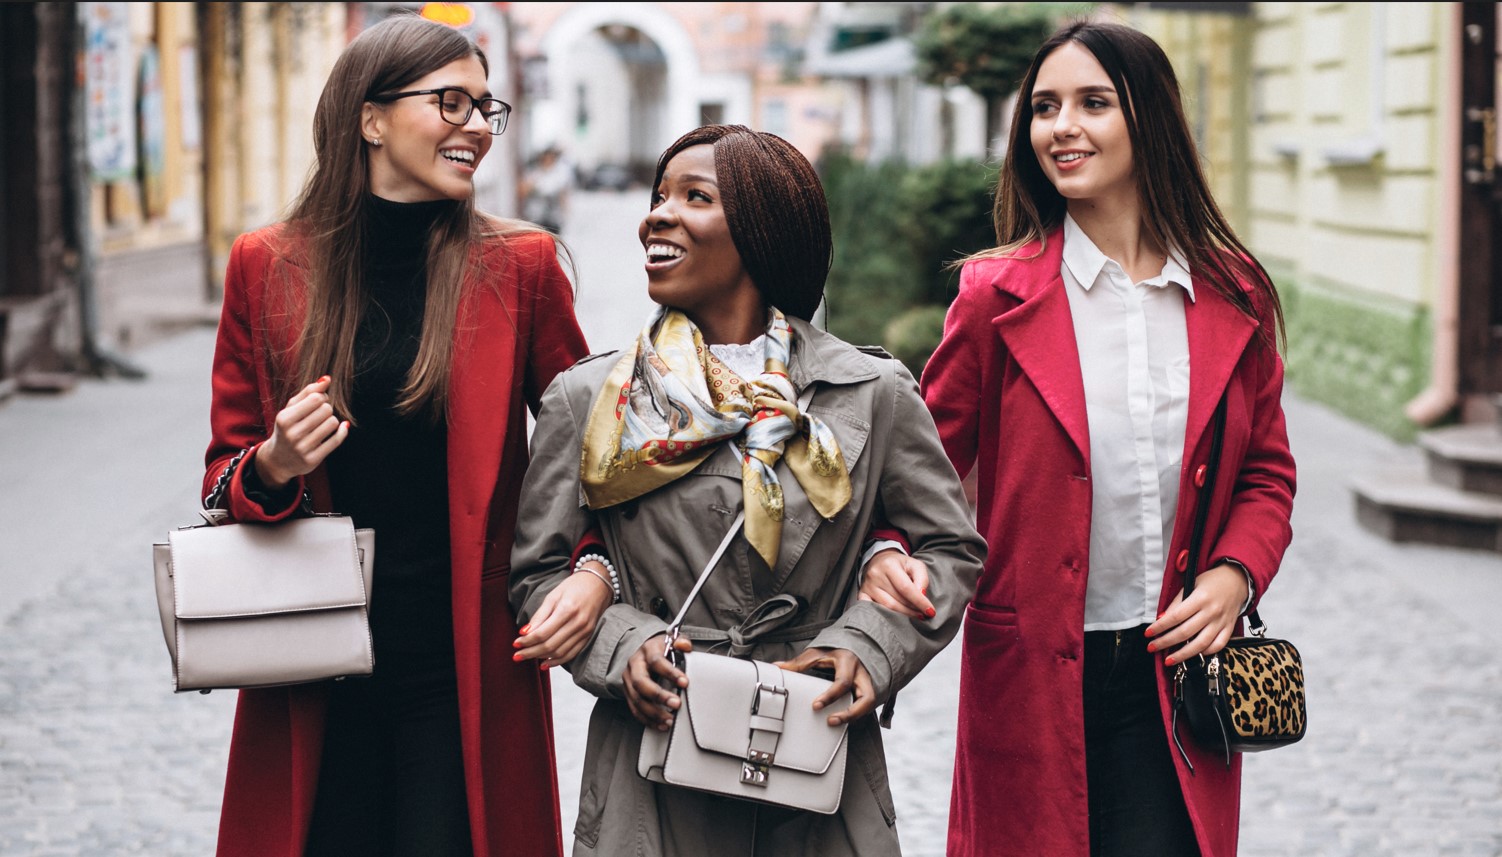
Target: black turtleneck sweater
{"points": [[391, 471]]}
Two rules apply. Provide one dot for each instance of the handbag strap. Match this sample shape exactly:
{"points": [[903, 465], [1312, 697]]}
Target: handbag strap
{"points": [[1202, 508], [1207, 495], [714, 560]]}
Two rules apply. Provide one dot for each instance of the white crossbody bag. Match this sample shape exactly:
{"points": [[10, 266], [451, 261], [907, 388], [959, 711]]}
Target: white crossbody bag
{"points": [[747, 729]]}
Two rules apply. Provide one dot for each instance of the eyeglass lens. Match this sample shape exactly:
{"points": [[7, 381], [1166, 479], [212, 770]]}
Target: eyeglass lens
{"points": [[456, 105]]}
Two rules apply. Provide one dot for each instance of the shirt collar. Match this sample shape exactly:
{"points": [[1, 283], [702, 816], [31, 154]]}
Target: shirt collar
{"points": [[1085, 261]]}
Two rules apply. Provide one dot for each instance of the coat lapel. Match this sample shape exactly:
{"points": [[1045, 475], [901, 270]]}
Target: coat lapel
{"points": [[1218, 334], [1039, 334]]}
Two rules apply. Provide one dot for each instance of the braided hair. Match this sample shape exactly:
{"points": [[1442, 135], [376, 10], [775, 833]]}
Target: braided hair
{"points": [[775, 209]]}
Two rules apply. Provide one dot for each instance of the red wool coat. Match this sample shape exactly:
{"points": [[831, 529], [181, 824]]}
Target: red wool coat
{"points": [[516, 331], [1006, 393]]}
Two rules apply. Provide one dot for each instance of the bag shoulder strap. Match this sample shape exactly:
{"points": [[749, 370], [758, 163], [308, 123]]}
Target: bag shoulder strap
{"points": [[735, 527], [1207, 495]]}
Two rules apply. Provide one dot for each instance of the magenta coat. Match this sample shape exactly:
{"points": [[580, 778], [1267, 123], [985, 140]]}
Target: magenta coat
{"points": [[1006, 393], [517, 330]]}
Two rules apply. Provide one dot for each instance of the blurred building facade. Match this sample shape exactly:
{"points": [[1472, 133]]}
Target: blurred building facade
{"points": [[144, 138], [613, 84], [1355, 147]]}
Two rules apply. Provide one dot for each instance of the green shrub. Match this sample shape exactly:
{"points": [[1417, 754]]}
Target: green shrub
{"points": [[897, 229], [913, 336]]}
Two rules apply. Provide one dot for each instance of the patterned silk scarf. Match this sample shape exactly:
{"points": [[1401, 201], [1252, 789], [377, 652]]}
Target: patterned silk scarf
{"points": [[669, 402]]}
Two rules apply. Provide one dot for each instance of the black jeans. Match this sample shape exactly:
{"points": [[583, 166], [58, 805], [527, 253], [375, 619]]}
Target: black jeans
{"points": [[392, 777], [1136, 805]]}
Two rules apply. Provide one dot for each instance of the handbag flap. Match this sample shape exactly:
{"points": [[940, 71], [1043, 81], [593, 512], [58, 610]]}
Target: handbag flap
{"points": [[718, 703], [255, 569]]}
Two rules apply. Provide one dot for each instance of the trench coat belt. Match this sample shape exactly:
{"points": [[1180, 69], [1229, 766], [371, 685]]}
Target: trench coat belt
{"points": [[766, 623]]}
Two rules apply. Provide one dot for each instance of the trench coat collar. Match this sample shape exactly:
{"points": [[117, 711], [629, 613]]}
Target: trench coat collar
{"points": [[820, 356]]}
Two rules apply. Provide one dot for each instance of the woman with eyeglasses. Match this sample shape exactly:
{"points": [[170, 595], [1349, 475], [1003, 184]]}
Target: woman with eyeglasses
{"points": [[377, 354]]}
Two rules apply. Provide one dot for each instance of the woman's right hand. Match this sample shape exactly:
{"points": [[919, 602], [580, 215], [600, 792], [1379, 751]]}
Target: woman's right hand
{"points": [[303, 435], [897, 582], [646, 672]]}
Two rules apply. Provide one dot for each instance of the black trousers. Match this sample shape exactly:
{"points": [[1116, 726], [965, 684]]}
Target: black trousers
{"points": [[391, 780], [1136, 805]]}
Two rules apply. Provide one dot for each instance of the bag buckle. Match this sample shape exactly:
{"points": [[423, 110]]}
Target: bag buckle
{"points": [[756, 768]]}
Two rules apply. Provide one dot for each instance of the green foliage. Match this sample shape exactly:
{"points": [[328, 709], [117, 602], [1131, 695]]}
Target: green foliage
{"points": [[897, 230], [913, 336], [950, 202], [985, 48]]}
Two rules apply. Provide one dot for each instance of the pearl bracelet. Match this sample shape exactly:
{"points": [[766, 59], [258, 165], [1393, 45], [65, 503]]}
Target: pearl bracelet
{"points": [[615, 579]]}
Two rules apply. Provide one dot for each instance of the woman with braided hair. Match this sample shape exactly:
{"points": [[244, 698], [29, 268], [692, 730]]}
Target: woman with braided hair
{"points": [[729, 401]]}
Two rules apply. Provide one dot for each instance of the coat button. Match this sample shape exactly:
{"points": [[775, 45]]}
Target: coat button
{"points": [[1181, 562], [659, 608], [1199, 476]]}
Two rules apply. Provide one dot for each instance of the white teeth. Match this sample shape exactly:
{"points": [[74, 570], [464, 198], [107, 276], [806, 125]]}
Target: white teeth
{"points": [[460, 155], [663, 251], [1070, 156]]}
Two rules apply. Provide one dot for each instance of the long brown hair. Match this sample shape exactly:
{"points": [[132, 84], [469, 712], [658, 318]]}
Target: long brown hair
{"points": [[775, 209], [1178, 210], [328, 223]]}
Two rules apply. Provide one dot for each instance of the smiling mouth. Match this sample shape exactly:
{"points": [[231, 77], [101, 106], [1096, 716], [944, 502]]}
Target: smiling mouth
{"points": [[459, 156], [658, 254]]}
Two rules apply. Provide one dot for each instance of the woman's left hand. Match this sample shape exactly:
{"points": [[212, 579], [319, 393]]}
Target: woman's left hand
{"points": [[565, 621], [849, 674], [1201, 625]]}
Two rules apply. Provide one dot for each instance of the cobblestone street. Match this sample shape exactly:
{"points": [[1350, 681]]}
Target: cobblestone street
{"points": [[99, 757]]}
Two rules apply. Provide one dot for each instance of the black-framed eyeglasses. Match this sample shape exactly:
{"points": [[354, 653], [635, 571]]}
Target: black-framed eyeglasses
{"points": [[456, 106]]}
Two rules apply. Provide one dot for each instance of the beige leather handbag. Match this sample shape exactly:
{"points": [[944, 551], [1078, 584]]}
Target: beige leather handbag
{"points": [[747, 729], [258, 605]]}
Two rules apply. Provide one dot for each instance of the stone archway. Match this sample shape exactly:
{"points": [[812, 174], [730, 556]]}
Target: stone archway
{"points": [[653, 54]]}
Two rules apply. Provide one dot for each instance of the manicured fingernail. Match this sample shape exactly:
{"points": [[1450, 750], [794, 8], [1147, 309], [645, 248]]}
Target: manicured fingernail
{"points": [[1148, 633], [1169, 661], [526, 629], [544, 666], [931, 612], [345, 425], [1151, 647], [321, 380], [516, 644], [517, 657]]}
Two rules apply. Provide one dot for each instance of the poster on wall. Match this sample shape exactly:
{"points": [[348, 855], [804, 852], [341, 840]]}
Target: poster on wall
{"points": [[153, 133], [109, 91]]}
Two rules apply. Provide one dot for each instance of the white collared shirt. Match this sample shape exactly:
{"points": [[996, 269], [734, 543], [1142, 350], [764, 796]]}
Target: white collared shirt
{"points": [[1134, 359]]}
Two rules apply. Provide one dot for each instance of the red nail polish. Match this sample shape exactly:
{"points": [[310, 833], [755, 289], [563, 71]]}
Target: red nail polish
{"points": [[1148, 633], [526, 629], [932, 612], [517, 657], [321, 380], [544, 666], [516, 644], [1151, 647], [1169, 661]]}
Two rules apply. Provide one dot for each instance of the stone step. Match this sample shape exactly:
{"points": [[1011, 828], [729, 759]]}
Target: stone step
{"points": [[1465, 457], [1406, 506]]}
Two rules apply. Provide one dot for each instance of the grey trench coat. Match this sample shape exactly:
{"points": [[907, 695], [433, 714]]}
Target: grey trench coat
{"points": [[661, 541]]}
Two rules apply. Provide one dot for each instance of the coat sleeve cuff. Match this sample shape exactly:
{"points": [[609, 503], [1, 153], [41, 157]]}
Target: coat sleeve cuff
{"points": [[866, 632], [251, 501], [601, 667]]}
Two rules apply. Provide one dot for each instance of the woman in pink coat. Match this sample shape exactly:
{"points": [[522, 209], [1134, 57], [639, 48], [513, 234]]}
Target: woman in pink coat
{"points": [[1080, 366]]}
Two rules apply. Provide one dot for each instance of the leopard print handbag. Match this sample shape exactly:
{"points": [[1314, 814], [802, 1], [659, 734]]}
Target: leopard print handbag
{"points": [[1249, 696]]}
